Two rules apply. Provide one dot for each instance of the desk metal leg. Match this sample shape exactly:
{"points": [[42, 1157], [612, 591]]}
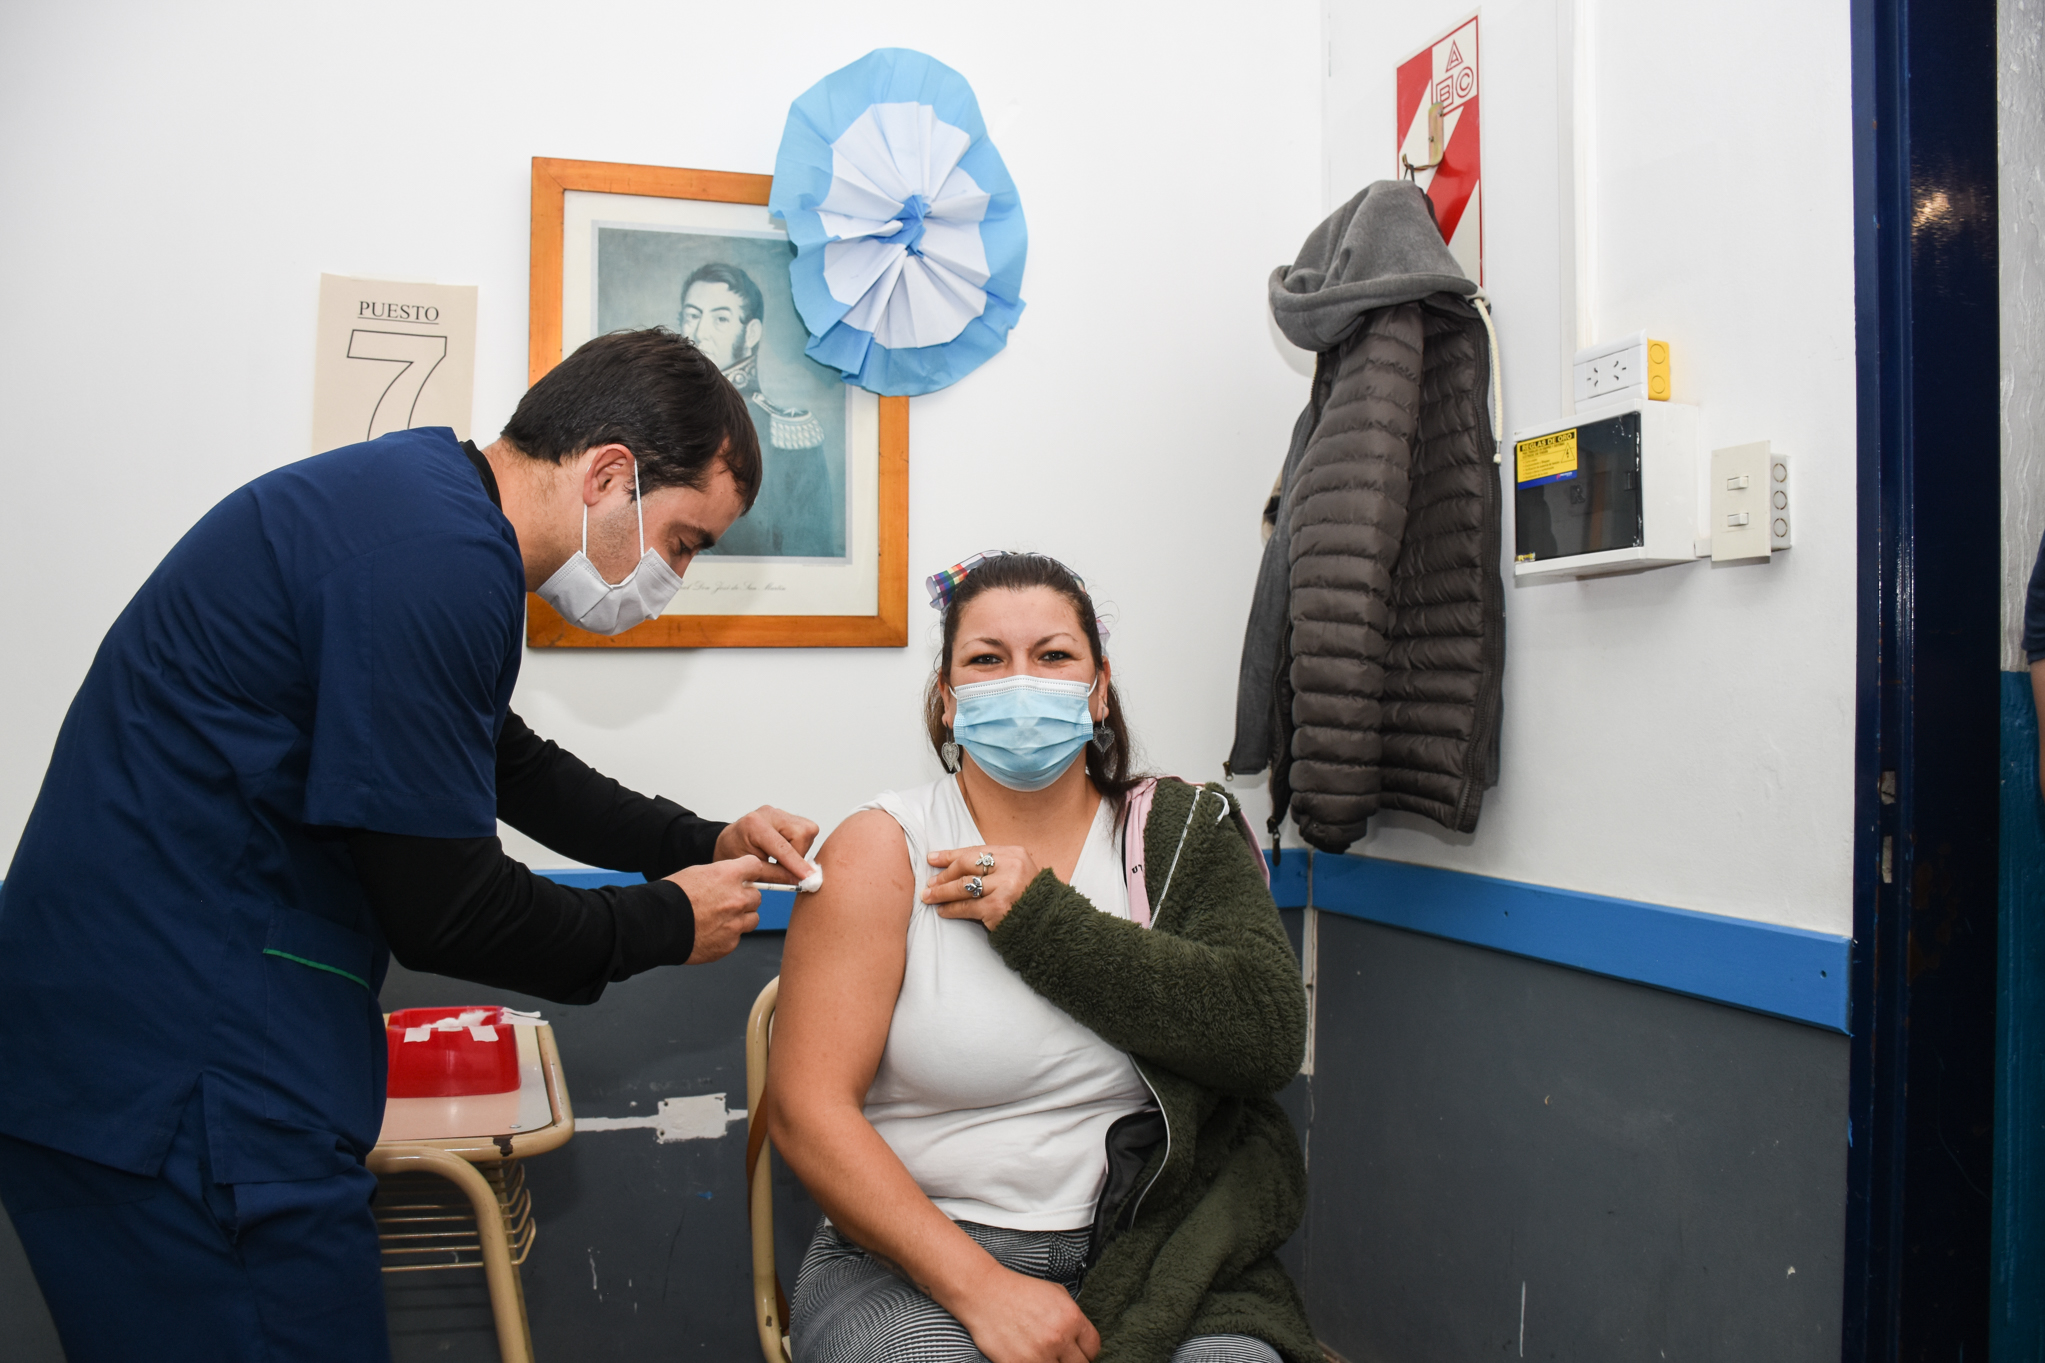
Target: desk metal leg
{"points": [[507, 1294]]}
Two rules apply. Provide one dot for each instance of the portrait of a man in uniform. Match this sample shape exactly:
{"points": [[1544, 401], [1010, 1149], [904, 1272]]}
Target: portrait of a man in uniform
{"points": [[722, 312], [729, 294]]}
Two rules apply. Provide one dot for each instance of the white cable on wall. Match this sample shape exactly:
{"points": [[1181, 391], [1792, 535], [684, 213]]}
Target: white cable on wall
{"points": [[1576, 173]]}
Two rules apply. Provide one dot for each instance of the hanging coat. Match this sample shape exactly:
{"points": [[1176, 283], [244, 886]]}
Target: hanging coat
{"points": [[1372, 662]]}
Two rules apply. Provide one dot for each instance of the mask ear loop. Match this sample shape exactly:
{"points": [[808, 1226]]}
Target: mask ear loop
{"points": [[639, 505]]}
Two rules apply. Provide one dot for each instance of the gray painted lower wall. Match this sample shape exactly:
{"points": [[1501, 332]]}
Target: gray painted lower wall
{"points": [[643, 1248], [1649, 1166], [1661, 1176]]}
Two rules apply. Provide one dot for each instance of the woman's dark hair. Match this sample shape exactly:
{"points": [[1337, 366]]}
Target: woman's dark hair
{"points": [[1112, 772], [652, 392]]}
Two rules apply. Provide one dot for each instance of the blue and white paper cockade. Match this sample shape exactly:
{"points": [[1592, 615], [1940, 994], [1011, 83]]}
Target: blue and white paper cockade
{"points": [[908, 231]]}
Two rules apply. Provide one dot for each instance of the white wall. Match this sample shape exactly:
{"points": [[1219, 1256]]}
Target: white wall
{"points": [[1681, 736], [180, 176], [2020, 145]]}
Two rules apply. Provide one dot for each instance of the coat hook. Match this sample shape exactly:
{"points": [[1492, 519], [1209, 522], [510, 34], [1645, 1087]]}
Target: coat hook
{"points": [[1435, 139]]}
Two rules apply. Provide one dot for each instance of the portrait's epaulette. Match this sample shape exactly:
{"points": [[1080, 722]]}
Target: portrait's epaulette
{"points": [[789, 428]]}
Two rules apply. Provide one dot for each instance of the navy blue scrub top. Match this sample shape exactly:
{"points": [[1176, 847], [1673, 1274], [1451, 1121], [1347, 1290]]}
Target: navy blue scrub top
{"points": [[333, 646]]}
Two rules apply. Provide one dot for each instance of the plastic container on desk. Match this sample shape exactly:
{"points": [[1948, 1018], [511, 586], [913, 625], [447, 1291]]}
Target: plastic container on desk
{"points": [[450, 1052]]}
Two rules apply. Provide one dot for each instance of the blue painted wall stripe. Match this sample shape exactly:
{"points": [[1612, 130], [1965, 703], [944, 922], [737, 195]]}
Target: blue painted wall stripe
{"points": [[1288, 887], [775, 905], [1789, 972], [1289, 878]]}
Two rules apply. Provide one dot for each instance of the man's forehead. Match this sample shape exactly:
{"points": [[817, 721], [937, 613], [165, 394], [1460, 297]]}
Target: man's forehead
{"points": [[710, 295]]}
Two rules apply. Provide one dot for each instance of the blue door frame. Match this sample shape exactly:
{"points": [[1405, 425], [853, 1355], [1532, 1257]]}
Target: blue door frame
{"points": [[1926, 768]]}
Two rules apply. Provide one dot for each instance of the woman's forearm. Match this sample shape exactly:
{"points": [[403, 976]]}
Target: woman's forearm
{"points": [[862, 1186], [1229, 1012]]}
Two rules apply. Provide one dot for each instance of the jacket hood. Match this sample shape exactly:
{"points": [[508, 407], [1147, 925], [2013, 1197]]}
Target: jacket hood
{"points": [[1379, 249]]}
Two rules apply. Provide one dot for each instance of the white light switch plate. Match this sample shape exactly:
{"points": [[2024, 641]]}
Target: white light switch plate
{"points": [[1741, 479]]}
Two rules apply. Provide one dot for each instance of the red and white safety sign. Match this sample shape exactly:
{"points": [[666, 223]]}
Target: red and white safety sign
{"points": [[1444, 74]]}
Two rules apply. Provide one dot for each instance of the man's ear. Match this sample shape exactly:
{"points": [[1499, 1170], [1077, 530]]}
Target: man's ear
{"points": [[753, 329], [609, 467]]}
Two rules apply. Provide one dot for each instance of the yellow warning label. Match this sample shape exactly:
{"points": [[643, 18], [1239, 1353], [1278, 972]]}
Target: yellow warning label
{"points": [[1546, 456]]}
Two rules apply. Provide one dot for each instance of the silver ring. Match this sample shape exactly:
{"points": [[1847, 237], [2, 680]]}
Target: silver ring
{"points": [[986, 861], [975, 886]]}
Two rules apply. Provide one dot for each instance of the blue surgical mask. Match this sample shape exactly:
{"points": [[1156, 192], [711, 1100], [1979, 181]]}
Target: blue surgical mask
{"points": [[1023, 731]]}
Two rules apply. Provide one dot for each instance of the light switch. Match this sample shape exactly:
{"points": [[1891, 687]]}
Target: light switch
{"points": [[1740, 511]]}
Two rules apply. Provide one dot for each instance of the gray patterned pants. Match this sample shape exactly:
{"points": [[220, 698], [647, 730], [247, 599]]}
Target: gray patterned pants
{"points": [[851, 1308]]}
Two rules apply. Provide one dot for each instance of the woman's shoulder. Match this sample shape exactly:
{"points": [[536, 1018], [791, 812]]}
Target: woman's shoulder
{"points": [[1185, 817], [920, 810], [1176, 799]]}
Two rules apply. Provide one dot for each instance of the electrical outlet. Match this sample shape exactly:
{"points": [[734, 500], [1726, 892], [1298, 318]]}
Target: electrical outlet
{"points": [[1606, 374], [1631, 367]]}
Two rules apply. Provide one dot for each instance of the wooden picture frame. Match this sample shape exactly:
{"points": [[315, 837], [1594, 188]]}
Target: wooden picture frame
{"points": [[887, 625]]}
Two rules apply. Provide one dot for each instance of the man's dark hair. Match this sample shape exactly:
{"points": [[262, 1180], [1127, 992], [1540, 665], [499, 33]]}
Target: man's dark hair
{"points": [[655, 394], [750, 302]]}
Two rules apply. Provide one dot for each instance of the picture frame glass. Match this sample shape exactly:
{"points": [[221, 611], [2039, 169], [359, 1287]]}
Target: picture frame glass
{"points": [[718, 273]]}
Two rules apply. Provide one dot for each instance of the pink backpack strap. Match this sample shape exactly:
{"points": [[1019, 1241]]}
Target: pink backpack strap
{"points": [[1136, 817]]}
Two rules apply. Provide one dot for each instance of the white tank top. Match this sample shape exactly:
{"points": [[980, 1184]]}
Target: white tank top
{"points": [[996, 1100]]}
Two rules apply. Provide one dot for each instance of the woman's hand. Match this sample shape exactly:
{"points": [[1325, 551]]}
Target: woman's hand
{"points": [[1002, 882], [1015, 1318]]}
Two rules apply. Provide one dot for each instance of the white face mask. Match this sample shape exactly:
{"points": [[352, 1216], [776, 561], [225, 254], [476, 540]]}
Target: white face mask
{"points": [[585, 599]]}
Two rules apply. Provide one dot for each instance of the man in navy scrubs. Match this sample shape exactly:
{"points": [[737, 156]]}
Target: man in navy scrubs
{"points": [[287, 764]]}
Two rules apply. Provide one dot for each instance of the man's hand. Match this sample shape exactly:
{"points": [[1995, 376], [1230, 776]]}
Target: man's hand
{"points": [[770, 833], [727, 906]]}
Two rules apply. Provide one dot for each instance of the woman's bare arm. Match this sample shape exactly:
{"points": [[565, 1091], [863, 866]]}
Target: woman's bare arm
{"points": [[841, 972]]}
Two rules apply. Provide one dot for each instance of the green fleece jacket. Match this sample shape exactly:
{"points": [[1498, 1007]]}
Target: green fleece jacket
{"points": [[1210, 1005]]}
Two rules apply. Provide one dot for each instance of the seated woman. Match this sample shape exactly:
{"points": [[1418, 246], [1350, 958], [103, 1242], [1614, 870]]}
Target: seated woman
{"points": [[1030, 1029]]}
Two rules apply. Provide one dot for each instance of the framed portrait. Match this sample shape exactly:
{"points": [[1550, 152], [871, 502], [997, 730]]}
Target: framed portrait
{"points": [[821, 559]]}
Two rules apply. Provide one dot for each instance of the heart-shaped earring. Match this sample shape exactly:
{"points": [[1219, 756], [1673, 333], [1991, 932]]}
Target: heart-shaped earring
{"points": [[949, 753], [1104, 737]]}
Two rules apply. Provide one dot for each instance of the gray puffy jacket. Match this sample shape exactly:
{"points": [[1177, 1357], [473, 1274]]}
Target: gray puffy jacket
{"points": [[1371, 666]]}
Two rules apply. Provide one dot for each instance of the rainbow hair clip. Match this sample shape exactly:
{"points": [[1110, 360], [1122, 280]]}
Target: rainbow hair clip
{"points": [[945, 583]]}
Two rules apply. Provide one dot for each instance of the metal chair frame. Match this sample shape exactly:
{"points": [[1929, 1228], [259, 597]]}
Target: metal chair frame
{"points": [[770, 1309]]}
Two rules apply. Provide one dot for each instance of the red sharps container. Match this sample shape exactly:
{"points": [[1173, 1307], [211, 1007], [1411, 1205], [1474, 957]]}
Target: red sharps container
{"points": [[450, 1052]]}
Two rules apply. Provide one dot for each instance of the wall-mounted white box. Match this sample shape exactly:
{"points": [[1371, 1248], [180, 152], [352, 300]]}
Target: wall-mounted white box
{"points": [[1612, 373], [1609, 491]]}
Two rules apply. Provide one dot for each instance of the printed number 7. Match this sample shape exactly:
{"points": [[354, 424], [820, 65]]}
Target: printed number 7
{"points": [[418, 356]]}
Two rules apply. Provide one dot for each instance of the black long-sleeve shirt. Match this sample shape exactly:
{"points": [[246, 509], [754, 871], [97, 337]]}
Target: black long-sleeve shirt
{"points": [[461, 907]]}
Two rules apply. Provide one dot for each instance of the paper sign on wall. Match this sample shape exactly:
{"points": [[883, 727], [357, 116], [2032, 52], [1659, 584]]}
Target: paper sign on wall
{"points": [[1444, 74], [1547, 458], [391, 356]]}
